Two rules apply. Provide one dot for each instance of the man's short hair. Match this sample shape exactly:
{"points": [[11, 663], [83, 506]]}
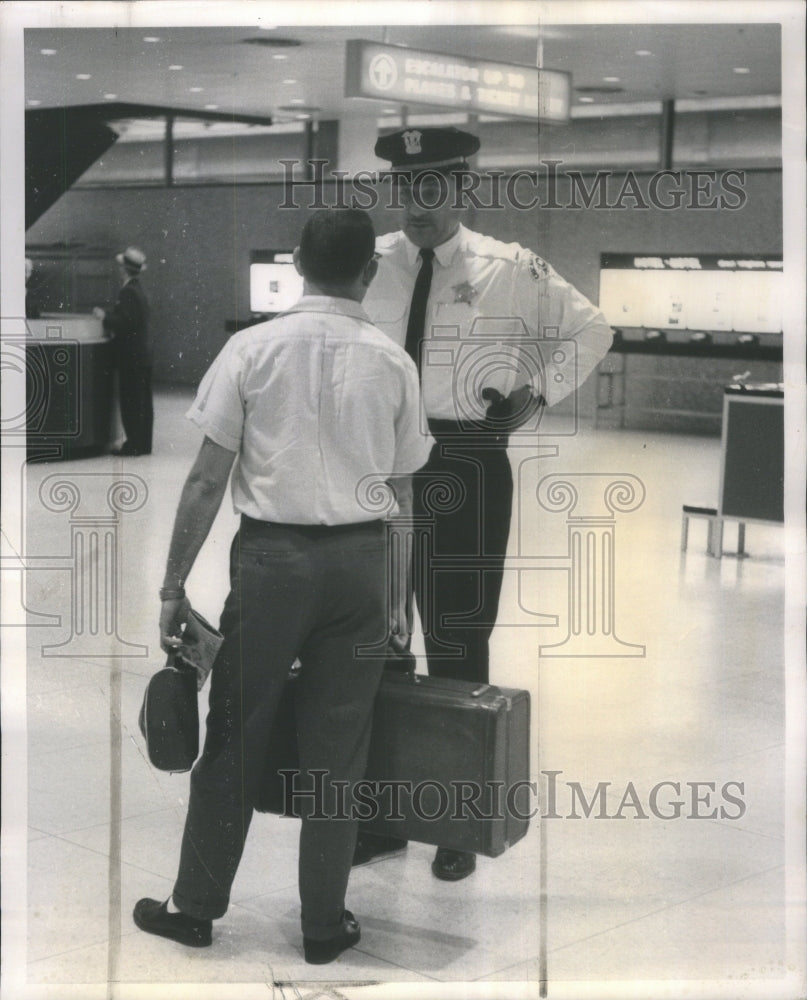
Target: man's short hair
{"points": [[336, 244]]}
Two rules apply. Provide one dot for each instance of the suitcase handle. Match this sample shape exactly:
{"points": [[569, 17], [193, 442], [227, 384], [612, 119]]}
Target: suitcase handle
{"points": [[414, 678]]}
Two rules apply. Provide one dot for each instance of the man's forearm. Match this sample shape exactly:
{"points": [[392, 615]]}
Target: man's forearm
{"points": [[198, 506]]}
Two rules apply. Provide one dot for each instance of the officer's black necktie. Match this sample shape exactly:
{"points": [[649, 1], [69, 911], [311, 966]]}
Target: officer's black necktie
{"points": [[417, 310]]}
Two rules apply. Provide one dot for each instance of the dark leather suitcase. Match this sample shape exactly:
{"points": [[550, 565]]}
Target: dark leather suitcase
{"points": [[460, 750]]}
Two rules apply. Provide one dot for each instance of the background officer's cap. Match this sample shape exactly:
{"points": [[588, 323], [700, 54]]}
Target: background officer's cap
{"points": [[442, 149]]}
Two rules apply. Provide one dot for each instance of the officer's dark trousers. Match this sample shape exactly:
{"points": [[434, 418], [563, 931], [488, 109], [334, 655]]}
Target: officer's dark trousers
{"points": [[136, 406], [462, 504], [310, 592]]}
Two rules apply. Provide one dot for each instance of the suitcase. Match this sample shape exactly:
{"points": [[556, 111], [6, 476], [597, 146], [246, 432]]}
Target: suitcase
{"points": [[460, 750]]}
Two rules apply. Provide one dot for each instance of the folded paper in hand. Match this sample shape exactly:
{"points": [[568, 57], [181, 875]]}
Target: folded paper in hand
{"points": [[200, 644]]}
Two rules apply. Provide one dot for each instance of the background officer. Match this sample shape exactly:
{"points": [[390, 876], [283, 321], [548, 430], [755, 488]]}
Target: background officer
{"points": [[128, 322], [479, 318]]}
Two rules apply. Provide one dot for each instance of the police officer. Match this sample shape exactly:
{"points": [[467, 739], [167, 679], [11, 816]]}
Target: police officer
{"points": [[482, 320]]}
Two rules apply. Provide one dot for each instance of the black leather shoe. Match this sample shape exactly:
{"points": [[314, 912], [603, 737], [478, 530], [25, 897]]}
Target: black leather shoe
{"points": [[372, 847], [153, 917], [451, 866], [322, 952]]}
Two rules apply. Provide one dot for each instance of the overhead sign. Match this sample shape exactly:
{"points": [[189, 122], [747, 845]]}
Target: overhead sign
{"points": [[398, 73]]}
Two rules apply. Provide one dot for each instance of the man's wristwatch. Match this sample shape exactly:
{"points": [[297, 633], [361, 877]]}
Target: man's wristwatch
{"points": [[171, 594]]}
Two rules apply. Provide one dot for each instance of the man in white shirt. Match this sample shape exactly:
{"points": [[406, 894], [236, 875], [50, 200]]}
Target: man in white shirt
{"points": [[496, 334], [314, 407]]}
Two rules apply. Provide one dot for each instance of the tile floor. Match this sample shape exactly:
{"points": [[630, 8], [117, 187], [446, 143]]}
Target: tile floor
{"points": [[585, 903]]}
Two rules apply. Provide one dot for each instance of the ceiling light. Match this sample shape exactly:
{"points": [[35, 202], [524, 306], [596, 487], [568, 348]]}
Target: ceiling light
{"points": [[389, 111], [279, 55], [175, 66], [296, 100], [150, 38], [211, 107], [34, 103], [586, 100], [291, 81], [742, 70], [110, 97], [302, 118], [643, 52], [196, 90], [48, 52], [84, 76], [611, 79]]}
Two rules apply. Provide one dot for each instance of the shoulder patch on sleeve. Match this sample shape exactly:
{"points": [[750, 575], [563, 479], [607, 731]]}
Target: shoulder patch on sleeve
{"points": [[538, 267]]}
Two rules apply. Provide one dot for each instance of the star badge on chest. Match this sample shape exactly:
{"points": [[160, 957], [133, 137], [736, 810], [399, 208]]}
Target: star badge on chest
{"points": [[465, 292]]}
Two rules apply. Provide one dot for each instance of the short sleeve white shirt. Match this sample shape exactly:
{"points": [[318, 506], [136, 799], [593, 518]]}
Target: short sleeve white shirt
{"points": [[498, 316], [321, 408]]}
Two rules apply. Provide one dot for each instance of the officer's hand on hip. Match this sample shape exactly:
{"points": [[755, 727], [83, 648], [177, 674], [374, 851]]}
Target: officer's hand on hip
{"points": [[508, 413]]}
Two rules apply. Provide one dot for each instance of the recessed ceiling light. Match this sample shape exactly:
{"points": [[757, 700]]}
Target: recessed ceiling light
{"points": [[176, 66], [643, 52], [211, 107], [291, 81], [279, 55], [48, 52], [268, 27], [611, 79], [296, 100], [84, 76], [150, 38], [110, 97], [586, 100], [196, 90], [741, 70], [34, 103], [390, 111]]}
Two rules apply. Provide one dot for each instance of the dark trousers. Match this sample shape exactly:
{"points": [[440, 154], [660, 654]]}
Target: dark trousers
{"points": [[136, 406], [462, 504], [315, 593]]}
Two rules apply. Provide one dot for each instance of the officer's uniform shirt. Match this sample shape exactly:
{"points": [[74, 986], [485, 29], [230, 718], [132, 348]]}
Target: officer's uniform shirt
{"points": [[321, 408], [498, 317]]}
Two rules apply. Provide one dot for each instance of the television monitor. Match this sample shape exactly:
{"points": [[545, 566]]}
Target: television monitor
{"points": [[274, 284]]}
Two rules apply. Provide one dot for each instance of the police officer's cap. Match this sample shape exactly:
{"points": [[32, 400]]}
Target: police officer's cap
{"points": [[441, 149]]}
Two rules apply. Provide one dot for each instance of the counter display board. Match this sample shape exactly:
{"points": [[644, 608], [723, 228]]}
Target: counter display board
{"points": [[705, 292]]}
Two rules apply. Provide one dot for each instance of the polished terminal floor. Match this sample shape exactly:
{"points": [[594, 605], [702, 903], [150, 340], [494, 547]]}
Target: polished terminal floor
{"points": [[581, 903]]}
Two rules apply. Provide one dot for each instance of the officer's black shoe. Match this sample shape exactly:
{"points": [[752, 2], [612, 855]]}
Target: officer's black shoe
{"points": [[322, 952], [451, 866], [372, 847], [153, 917]]}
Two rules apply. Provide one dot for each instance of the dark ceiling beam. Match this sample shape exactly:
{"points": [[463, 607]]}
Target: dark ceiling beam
{"points": [[111, 111]]}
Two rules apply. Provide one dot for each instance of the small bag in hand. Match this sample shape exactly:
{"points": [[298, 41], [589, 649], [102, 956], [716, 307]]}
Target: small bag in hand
{"points": [[169, 717]]}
